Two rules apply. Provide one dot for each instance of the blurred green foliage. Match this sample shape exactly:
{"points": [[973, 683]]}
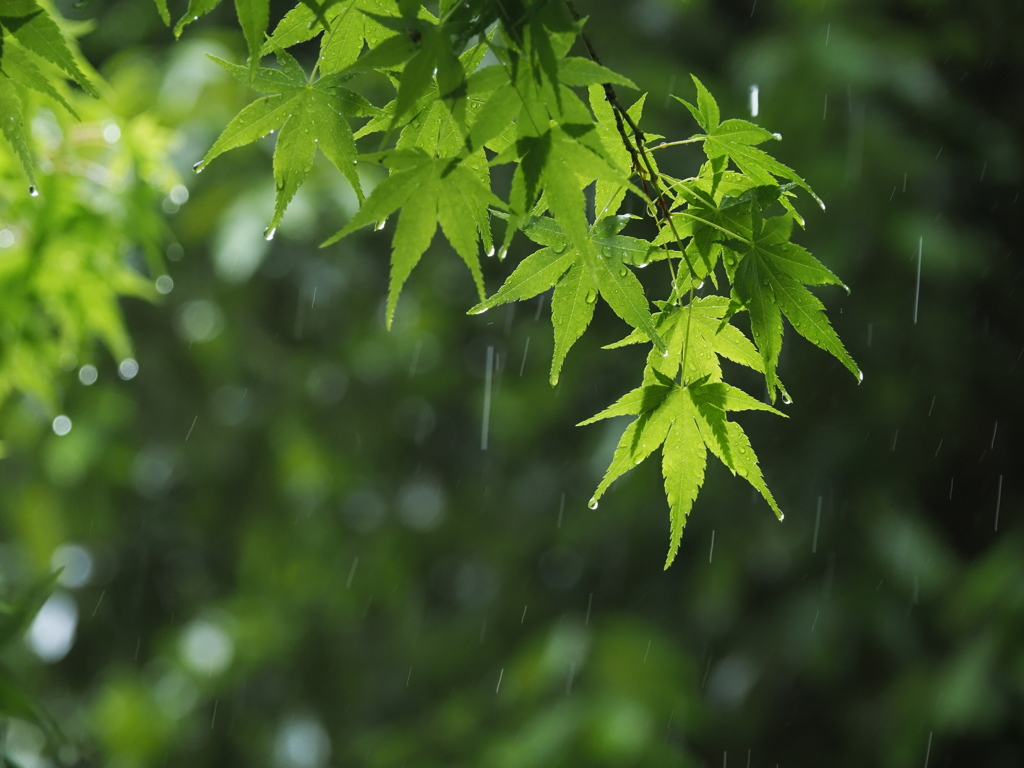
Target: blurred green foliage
{"points": [[298, 554]]}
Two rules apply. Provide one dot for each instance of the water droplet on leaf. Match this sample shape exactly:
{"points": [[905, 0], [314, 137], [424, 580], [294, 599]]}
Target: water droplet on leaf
{"points": [[592, 504], [32, 191], [198, 167], [591, 296], [269, 234]]}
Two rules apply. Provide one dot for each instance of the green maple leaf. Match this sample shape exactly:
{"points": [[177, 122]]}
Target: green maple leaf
{"points": [[686, 422], [428, 190], [697, 333], [12, 124], [253, 17], [195, 10], [769, 282], [346, 24], [737, 140], [28, 23], [307, 114], [161, 8], [579, 276], [609, 196]]}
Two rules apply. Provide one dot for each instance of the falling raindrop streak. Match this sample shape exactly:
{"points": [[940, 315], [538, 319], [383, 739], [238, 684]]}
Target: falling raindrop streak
{"points": [[939, 448], [408, 677], [999, 499], [917, 290], [572, 674], [213, 718], [828, 32], [928, 752], [712, 552], [192, 427], [351, 573], [647, 651], [951, 489], [523, 617], [824, 110], [815, 622], [933, 405], [561, 509], [993, 446], [894, 439], [500, 675], [817, 524], [488, 377], [526, 349], [590, 603], [540, 306], [415, 359]]}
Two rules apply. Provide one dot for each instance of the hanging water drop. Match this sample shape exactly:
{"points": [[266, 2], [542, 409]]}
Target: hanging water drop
{"points": [[860, 376], [32, 191], [478, 310], [269, 234], [777, 136], [592, 504], [380, 225], [553, 381], [198, 167], [490, 253]]}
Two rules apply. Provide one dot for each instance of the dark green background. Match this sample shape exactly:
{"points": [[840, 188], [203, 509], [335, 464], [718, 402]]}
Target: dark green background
{"points": [[276, 481]]}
